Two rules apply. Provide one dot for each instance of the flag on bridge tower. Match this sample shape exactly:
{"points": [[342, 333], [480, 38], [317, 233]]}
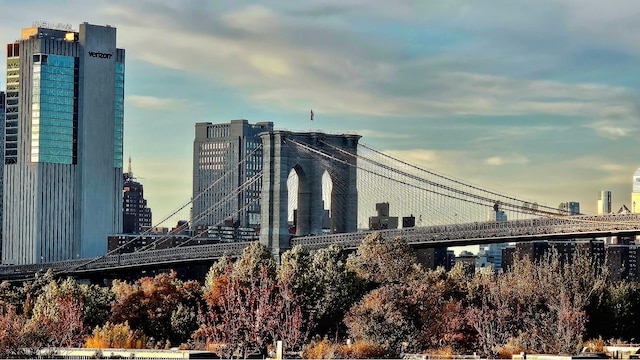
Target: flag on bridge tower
{"points": [[311, 114]]}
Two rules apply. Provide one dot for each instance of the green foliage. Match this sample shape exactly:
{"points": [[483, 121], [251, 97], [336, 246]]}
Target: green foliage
{"points": [[97, 304], [56, 319], [381, 261], [254, 259], [616, 314]]}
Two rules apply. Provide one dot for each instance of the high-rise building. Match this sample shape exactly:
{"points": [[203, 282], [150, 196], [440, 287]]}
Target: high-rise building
{"points": [[635, 193], [2, 116], [63, 144], [225, 156], [136, 216], [492, 253], [604, 203], [570, 207]]}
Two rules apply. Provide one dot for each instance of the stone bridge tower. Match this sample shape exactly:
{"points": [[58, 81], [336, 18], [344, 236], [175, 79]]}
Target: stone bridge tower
{"points": [[280, 156]]}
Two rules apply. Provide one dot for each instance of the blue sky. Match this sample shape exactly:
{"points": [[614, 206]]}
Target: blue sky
{"points": [[535, 99]]}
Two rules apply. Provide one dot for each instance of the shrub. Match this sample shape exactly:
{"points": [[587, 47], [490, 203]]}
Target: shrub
{"points": [[322, 349], [361, 350], [118, 336]]}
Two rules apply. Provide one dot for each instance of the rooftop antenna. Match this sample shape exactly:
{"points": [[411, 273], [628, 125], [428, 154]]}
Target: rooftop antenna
{"points": [[129, 169]]}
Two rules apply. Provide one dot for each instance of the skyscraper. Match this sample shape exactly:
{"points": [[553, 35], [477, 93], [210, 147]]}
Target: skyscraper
{"points": [[604, 203], [492, 253], [63, 144], [136, 216], [218, 149], [2, 116]]}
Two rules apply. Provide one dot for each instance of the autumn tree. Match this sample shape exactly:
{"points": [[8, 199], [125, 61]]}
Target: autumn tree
{"points": [[11, 325], [423, 313], [56, 319], [247, 308], [537, 306], [162, 307]]}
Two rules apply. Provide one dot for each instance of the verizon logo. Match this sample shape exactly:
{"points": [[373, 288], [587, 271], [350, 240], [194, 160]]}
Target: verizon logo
{"points": [[100, 55]]}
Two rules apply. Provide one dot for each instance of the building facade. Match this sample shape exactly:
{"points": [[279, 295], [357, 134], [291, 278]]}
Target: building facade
{"points": [[491, 254], [136, 215], [570, 207], [63, 143], [604, 203], [225, 156], [2, 121]]}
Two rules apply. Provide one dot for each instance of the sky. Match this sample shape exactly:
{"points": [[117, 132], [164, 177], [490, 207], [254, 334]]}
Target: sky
{"points": [[533, 99]]}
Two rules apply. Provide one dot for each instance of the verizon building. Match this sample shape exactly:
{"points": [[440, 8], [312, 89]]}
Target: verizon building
{"points": [[63, 143]]}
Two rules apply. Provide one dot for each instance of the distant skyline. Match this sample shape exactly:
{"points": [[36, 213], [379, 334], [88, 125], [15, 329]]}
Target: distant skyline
{"points": [[534, 99]]}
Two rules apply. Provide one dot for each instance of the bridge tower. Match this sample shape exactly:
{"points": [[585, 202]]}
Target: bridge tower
{"points": [[280, 155]]}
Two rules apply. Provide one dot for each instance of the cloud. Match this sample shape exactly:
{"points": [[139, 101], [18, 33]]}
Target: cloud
{"points": [[505, 160], [609, 130], [287, 62], [155, 103]]}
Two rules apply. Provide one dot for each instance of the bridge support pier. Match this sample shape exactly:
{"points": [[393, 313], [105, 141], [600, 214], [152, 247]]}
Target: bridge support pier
{"points": [[281, 154]]}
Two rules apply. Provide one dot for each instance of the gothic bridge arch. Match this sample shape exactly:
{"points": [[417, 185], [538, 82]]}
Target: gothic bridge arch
{"points": [[280, 156]]}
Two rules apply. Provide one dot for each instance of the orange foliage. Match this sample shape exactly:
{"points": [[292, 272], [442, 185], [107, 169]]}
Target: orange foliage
{"points": [[115, 336], [594, 345], [325, 349], [319, 350], [361, 350]]}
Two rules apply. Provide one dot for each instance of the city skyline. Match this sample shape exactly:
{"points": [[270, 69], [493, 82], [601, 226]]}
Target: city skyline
{"points": [[536, 101]]}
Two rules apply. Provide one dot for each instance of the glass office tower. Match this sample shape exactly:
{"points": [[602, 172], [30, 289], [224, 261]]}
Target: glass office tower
{"points": [[63, 143]]}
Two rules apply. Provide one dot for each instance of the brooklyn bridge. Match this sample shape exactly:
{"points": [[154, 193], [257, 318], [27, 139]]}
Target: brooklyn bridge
{"points": [[351, 177]]}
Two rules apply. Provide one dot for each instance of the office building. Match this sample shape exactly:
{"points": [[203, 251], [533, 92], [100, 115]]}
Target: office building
{"points": [[383, 221], [63, 144], [604, 203], [136, 216], [491, 254], [2, 116], [570, 207], [225, 156], [566, 250]]}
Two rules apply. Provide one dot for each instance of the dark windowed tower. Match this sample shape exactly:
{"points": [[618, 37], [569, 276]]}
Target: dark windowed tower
{"points": [[63, 143], [220, 149], [136, 216], [2, 121]]}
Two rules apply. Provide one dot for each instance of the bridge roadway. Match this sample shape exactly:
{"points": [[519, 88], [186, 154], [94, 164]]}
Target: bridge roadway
{"points": [[420, 237]]}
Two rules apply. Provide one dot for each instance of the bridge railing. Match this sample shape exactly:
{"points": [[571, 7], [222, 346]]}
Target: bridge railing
{"points": [[172, 255], [485, 230]]}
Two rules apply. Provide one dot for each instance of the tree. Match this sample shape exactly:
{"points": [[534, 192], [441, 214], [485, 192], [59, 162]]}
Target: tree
{"points": [[154, 305], [56, 319], [334, 289], [96, 305], [420, 314], [248, 310], [538, 306], [381, 261], [11, 325]]}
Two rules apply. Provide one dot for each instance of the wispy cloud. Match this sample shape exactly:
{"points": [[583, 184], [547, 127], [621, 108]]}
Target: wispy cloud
{"points": [[155, 103], [505, 160]]}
